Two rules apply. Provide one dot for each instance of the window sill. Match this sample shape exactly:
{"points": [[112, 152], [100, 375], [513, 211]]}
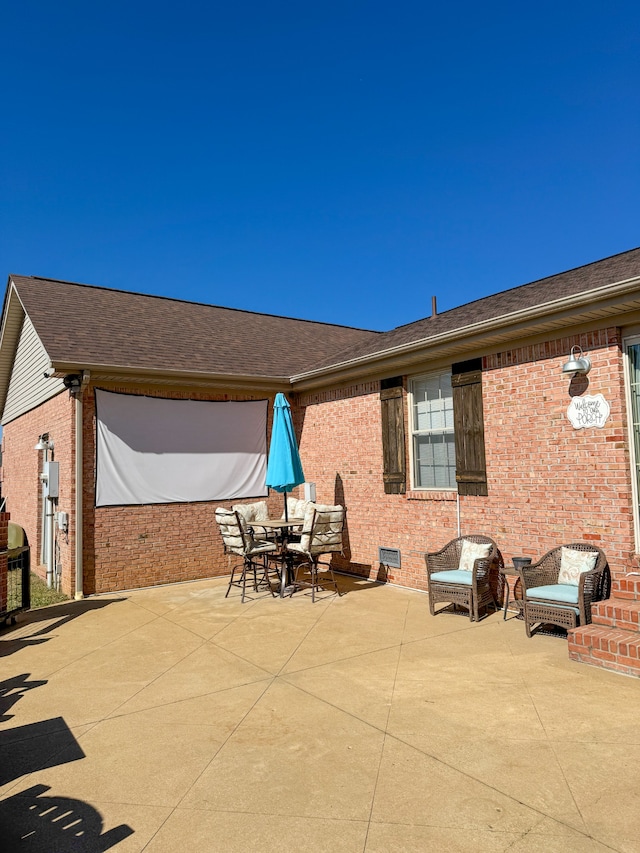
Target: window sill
{"points": [[431, 495]]}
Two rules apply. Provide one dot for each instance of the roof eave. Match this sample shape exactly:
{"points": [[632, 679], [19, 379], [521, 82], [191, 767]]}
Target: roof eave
{"points": [[610, 299], [158, 376]]}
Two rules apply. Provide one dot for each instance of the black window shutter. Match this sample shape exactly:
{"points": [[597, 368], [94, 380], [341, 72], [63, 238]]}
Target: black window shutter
{"points": [[393, 450], [468, 420]]}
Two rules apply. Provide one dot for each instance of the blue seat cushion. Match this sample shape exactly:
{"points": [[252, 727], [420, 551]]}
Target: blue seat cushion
{"points": [[453, 576], [563, 593]]}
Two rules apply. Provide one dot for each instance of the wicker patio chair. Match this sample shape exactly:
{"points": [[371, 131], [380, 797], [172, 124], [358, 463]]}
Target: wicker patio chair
{"points": [[322, 533], [549, 599], [254, 552], [468, 587]]}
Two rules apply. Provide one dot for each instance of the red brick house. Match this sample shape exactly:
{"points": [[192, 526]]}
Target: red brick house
{"points": [[457, 422]]}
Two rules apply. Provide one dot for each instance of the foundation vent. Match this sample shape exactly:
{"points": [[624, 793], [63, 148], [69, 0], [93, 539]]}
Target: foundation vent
{"points": [[389, 557]]}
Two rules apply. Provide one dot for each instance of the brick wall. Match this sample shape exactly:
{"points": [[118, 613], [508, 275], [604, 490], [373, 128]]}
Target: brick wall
{"points": [[21, 468], [135, 546], [123, 547], [548, 483], [557, 483]]}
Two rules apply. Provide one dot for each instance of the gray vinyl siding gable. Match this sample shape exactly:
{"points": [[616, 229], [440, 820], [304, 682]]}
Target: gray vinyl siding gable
{"points": [[28, 387]]}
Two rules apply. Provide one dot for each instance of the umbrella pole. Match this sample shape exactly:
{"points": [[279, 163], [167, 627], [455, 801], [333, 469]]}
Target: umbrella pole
{"points": [[286, 511]]}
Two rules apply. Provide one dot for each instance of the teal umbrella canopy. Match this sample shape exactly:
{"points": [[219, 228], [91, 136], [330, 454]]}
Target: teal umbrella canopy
{"points": [[284, 468]]}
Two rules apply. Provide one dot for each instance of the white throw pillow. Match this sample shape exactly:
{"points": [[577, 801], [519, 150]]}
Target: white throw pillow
{"points": [[573, 563], [472, 551], [297, 507], [261, 510]]}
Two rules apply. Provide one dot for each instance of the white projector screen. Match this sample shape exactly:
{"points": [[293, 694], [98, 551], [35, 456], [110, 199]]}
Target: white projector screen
{"points": [[152, 450]]}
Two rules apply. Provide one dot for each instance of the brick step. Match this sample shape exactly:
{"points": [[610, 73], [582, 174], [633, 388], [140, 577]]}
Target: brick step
{"points": [[620, 613], [626, 586], [609, 648]]}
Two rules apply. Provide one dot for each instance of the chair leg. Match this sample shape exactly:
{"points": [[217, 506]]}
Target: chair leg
{"points": [[313, 581], [314, 577], [272, 565], [295, 584], [249, 574], [265, 573], [259, 574], [245, 569], [231, 581], [333, 580], [477, 597]]}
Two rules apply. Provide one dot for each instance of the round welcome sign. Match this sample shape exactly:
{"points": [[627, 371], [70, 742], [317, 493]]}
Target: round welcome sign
{"points": [[588, 411]]}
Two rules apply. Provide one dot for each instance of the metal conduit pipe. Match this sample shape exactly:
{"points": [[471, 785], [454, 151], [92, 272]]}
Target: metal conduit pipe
{"points": [[51, 520]]}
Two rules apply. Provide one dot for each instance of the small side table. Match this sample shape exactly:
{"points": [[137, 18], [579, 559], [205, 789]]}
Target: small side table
{"points": [[510, 572]]}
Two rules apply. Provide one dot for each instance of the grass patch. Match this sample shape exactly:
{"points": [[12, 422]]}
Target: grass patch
{"points": [[41, 595]]}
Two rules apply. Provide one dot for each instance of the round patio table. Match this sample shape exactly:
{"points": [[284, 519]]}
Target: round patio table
{"points": [[510, 572], [279, 524]]}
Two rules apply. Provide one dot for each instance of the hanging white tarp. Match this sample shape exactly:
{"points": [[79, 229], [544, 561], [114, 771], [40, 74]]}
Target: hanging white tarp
{"points": [[152, 450]]}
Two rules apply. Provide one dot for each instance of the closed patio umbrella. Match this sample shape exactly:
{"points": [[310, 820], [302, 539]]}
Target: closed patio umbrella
{"points": [[284, 469]]}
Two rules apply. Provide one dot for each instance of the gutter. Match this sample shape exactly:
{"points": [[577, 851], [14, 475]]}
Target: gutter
{"points": [[526, 314]]}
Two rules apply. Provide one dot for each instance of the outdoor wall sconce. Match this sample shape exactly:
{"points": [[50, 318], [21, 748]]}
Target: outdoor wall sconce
{"points": [[72, 382], [44, 443], [577, 364]]}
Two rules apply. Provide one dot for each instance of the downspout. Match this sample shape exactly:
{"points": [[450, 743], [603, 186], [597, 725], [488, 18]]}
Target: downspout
{"points": [[79, 485]]}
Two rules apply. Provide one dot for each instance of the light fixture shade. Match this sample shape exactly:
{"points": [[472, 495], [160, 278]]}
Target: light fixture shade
{"points": [[577, 363], [44, 442]]}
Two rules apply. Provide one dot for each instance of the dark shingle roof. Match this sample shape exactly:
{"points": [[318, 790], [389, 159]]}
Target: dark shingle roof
{"points": [[85, 325], [576, 281]]}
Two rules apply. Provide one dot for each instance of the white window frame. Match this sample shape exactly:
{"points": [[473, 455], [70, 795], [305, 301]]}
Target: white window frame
{"points": [[414, 432]]}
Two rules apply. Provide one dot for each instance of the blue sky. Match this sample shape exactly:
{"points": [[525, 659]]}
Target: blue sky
{"points": [[340, 161]]}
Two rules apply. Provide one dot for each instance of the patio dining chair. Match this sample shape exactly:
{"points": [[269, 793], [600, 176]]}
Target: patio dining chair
{"points": [[250, 517], [560, 588], [255, 553], [460, 574], [322, 533]]}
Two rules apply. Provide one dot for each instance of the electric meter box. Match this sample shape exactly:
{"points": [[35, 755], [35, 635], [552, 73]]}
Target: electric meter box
{"points": [[51, 472]]}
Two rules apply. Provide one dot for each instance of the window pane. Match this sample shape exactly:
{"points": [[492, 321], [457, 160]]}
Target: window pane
{"points": [[435, 461], [433, 437], [432, 403]]}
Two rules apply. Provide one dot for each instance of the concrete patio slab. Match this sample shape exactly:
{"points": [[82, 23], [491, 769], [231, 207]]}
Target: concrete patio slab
{"points": [[175, 718]]}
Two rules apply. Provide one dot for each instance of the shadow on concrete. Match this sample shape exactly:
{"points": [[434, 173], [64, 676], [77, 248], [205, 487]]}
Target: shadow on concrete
{"points": [[36, 746], [28, 820], [353, 583], [26, 632], [13, 689]]}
